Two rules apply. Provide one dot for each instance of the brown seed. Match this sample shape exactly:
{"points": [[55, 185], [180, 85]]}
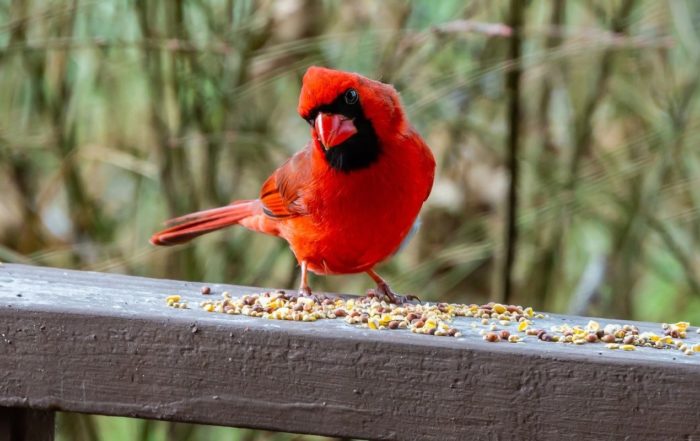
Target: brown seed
{"points": [[628, 340], [340, 312], [451, 332], [419, 324], [393, 324], [591, 338], [410, 317], [491, 337], [608, 338], [431, 331], [206, 290], [504, 334]]}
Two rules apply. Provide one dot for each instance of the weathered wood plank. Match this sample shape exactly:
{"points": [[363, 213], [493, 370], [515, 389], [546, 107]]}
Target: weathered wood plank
{"points": [[103, 343], [17, 424]]}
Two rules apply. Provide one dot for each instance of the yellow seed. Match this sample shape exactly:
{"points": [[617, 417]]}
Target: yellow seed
{"points": [[385, 319], [172, 299], [696, 348], [522, 326], [682, 325], [628, 347], [529, 312], [373, 324], [499, 309], [612, 346], [209, 307]]}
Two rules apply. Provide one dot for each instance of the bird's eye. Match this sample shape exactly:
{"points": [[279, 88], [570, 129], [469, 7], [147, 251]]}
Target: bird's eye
{"points": [[351, 96]]}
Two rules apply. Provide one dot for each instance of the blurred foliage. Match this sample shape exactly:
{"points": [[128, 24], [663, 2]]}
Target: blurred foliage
{"points": [[115, 115]]}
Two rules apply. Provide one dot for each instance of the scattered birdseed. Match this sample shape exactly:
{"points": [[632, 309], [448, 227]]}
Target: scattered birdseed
{"points": [[437, 318]]}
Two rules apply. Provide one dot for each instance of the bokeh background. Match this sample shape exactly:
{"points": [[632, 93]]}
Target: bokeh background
{"points": [[118, 114]]}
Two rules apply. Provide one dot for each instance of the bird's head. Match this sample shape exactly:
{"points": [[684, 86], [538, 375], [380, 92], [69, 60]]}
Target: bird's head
{"points": [[351, 116]]}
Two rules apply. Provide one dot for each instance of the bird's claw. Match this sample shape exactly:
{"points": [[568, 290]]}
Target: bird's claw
{"points": [[306, 292], [383, 292]]}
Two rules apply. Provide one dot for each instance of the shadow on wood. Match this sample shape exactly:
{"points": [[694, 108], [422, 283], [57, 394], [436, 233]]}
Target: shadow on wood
{"points": [[17, 424]]}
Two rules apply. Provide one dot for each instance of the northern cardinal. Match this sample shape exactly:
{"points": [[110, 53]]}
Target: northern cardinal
{"points": [[347, 200]]}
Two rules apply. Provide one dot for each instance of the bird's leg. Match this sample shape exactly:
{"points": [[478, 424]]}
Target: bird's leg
{"points": [[383, 290], [304, 288]]}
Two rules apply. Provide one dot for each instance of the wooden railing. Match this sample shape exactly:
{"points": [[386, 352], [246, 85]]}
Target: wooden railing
{"points": [[107, 344]]}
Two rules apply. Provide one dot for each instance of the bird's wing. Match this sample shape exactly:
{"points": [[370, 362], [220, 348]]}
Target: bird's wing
{"points": [[282, 194]]}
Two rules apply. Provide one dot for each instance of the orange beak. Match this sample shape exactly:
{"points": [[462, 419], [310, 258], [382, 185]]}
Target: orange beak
{"points": [[333, 129]]}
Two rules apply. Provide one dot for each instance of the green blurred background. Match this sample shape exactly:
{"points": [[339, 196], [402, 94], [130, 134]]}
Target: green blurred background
{"points": [[118, 114]]}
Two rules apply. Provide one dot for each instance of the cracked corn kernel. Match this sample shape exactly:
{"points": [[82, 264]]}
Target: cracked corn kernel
{"points": [[612, 346], [628, 347], [522, 326], [592, 326], [499, 309], [172, 299]]}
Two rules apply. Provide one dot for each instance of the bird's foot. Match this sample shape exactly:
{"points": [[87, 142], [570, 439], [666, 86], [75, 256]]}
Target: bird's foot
{"points": [[306, 292], [383, 292]]}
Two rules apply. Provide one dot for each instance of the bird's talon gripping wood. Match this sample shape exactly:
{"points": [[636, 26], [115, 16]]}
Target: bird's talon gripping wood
{"points": [[363, 157]]}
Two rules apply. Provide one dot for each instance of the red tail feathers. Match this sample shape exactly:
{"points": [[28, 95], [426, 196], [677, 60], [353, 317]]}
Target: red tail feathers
{"points": [[189, 226]]}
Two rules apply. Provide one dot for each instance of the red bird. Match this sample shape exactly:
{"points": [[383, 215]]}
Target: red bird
{"points": [[347, 200]]}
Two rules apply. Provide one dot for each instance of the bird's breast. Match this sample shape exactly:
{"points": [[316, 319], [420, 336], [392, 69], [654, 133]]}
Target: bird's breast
{"points": [[357, 219]]}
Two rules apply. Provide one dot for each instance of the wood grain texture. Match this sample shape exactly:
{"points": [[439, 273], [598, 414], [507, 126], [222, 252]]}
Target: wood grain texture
{"points": [[107, 344]]}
